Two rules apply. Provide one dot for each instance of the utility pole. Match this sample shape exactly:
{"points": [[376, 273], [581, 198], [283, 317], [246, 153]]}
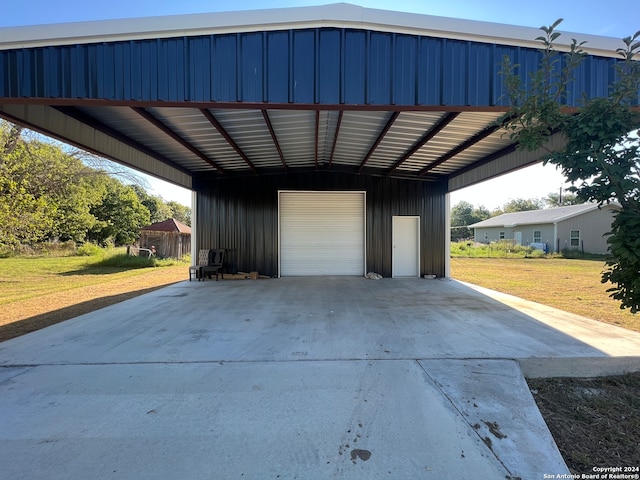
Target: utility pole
{"points": [[560, 197]]}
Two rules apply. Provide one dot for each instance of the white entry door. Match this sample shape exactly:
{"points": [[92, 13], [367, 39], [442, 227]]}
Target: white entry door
{"points": [[406, 247], [517, 237]]}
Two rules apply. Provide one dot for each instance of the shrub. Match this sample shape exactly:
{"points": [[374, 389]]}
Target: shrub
{"points": [[499, 249], [122, 260], [89, 250]]}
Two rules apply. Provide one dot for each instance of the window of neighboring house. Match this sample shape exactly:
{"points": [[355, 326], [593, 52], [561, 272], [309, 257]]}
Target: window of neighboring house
{"points": [[537, 236], [486, 236], [575, 238], [501, 235]]}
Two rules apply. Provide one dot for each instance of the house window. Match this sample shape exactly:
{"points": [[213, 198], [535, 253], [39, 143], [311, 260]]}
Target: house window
{"points": [[501, 234], [575, 238], [537, 236], [486, 236]]}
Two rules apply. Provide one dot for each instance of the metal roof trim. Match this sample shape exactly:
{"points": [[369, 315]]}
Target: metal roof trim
{"points": [[339, 15]]}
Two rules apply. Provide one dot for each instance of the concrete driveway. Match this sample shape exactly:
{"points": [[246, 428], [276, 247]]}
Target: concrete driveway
{"points": [[296, 378]]}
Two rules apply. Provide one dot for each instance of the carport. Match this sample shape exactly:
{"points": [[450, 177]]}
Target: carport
{"points": [[317, 140]]}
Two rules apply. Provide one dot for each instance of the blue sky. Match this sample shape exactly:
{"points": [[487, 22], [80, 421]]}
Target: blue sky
{"points": [[611, 18]]}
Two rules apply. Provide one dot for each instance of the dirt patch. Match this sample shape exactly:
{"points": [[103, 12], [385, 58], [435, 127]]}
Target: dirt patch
{"points": [[595, 422]]}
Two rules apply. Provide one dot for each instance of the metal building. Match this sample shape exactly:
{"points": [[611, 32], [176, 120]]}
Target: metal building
{"points": [[317, 140]]}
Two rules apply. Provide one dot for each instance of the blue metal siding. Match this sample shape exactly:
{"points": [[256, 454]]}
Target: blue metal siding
{"points": [[224, 68], [498, 90], [379, 71], [304, 72], [330, 59], [251, 67], [354, 67], [593, 77], [479, 84], [405, 58], [328, 66], [199, 51], [429, 77], [454, 72], [278, 67]]}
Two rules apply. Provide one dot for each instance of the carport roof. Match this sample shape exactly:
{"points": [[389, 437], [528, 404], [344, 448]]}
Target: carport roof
{"points": [[337, 87]]}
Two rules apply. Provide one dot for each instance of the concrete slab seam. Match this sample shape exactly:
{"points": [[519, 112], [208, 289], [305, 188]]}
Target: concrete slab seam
{"points": [[463, 416]]}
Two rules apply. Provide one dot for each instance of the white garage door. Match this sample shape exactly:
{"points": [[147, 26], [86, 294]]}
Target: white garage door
{"points": [[322, 233]]}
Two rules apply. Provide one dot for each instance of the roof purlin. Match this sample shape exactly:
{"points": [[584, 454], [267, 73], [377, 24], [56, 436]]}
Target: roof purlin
{"points": [[106, 130], [481, 135], [267, 120], [167, 131], [384, 131], [446, 120], [335, 137], [214, 121]]}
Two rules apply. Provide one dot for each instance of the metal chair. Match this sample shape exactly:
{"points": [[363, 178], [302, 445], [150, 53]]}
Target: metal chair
{"points": [[203, 261]]}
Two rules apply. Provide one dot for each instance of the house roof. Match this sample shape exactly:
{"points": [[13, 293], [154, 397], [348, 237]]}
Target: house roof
{"points": [[339, 87], [169, 225], [535, 217]]}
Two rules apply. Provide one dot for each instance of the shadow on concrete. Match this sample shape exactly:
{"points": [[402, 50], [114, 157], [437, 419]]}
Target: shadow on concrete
{"points": [[37, 322]]}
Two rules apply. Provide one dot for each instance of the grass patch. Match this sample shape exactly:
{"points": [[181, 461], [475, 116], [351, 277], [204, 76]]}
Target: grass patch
{"points": [[27, 277], [509, 249], [501, 249], [570, 285]]}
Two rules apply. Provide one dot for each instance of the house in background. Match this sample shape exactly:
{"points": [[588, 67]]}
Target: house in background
{"points": [[580, 227], [171, 238]]}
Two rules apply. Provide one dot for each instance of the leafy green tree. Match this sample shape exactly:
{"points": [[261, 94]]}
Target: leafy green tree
{"points": [[555, 200], [601, 155], [520, 205], [42, 191], [48, 191], [119, 215], [158, 209], [180, 212], [462, 215]]}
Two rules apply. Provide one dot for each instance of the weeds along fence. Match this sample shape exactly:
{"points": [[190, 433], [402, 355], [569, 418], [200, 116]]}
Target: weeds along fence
{"points": [[500, 249]]}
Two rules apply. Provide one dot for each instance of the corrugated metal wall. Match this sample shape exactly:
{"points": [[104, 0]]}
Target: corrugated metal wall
{"points": [[242, 214], [328, 66]]}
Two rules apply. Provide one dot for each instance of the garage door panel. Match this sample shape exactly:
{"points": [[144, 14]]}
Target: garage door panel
{"points": [[321, 233]]}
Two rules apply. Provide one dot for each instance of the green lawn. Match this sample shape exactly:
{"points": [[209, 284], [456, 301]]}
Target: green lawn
{"points": [[26, 277], [567, 284]]}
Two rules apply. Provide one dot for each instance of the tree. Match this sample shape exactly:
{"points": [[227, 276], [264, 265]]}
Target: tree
{"points": [[49, 191], [119, 215], [462, 215], [520, 205], [42, 191], [601, 156], [159, 211], [180, 212], [555, 200]]}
